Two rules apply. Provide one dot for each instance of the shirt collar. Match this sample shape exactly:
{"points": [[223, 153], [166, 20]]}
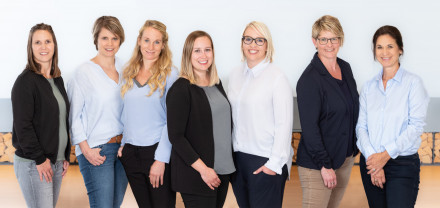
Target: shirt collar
{"points": [[397, 77], [257, 69]]}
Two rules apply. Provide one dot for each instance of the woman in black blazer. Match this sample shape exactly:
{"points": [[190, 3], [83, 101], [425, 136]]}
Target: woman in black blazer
{"points": [[40, 110], [328, 104], [199, 127]]}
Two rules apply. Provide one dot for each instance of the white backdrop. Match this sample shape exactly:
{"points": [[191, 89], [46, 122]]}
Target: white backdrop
{"points": [[289, 21]]}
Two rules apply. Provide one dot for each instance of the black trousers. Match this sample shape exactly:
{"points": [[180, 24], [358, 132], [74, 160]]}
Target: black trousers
{"points": [[137, 162], [260, 190], [198, 201], [400, 190]]}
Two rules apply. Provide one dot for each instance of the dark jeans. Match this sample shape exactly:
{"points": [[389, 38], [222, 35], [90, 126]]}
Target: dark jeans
{"points": [[106, 183], [198, 201], [137, 161], [402, 183], [260, 190]]}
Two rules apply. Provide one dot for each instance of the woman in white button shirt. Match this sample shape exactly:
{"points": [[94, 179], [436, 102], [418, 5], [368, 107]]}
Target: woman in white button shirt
{"points": [[262, 111]]}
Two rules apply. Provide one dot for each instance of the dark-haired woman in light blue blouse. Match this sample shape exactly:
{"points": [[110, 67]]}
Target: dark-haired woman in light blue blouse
{"points": [[393, 107]]}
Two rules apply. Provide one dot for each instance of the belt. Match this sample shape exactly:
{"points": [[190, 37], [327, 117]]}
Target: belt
{"points": [[115, 139]]}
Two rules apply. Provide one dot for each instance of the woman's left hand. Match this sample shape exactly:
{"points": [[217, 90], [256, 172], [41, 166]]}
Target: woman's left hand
{"points": [[376, 162], [65, 167], [156, 173], [265, 170]]}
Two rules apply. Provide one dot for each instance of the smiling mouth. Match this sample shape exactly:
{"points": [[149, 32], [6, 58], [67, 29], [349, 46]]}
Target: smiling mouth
{"points": [[253, 51], [43, 54], [203, 62], [109, 50]]}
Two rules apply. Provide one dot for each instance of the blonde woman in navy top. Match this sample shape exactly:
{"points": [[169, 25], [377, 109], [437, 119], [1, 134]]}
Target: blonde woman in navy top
{"points": [[145, 151], [392, 114]]}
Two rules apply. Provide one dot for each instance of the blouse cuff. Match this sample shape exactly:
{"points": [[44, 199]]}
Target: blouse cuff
{"points": [[392, 149], [275, 166], [41, 159]]}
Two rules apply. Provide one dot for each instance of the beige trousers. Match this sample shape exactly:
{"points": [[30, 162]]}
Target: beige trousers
{"points": [[315, 194]]}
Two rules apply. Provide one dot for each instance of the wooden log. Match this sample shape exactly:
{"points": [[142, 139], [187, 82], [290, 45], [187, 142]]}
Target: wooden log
{"points": [[437, 148], [425, 150], [10, 150]]}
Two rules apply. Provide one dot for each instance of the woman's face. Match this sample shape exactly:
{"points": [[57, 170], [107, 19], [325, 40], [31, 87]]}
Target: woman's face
{"points": [[202, 55], [108, 43], [327, 49], [42, 46], [151, 44], [387, 51], [254, 53]]}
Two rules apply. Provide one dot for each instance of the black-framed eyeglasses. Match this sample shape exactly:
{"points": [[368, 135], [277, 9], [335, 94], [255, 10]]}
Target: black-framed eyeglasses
{"points": [[248, 40], [324, 41]]}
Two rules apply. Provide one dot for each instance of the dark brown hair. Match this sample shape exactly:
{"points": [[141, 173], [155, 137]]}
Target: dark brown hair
{"points": [[110, 23], [31, 63], [391, 31]]}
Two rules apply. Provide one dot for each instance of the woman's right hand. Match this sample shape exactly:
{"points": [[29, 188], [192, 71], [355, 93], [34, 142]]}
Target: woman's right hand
{"points": [[208, 174], [329, 177], [92, 155], [45, 170]]}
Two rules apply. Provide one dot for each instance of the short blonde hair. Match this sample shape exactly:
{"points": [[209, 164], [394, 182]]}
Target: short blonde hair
{"points": [[264, 30], [110, 23], [187, 70], [160, 69], [328, 23]]}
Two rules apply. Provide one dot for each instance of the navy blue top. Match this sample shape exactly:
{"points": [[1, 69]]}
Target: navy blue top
{"points": [[325, 114], [349, 100]]}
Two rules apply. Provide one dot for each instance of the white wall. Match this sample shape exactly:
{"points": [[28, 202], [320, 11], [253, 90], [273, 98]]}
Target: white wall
{"points": [[289, 21]]}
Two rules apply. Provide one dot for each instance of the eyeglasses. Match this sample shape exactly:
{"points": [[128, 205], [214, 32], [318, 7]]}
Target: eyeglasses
{"points": [[324, 41], [248, 40]]}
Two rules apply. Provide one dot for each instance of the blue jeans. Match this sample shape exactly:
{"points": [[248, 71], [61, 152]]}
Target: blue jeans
{"points": [[106, 183], [400, 190], [38, 193]]}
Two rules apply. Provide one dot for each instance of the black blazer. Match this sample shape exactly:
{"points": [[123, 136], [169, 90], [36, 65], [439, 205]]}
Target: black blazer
{"points": [[324, 116], [190, 131], [35, 131]]}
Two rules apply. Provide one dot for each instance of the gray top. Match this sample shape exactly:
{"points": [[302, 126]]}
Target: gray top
{"points": [[63, 128], [221, 122]]}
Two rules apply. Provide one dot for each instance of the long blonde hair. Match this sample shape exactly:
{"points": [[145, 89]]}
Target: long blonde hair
{"points": [[186, 70], [160, 69]]}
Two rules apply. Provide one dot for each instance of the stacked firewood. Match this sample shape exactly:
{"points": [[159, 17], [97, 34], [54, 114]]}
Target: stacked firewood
{"points": [[7, 151], [295, 142]]}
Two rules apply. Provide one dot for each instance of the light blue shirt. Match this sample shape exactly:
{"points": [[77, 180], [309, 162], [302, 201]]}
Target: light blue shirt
{"points": [[392, 120], [145, 118], [95, 105]]}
